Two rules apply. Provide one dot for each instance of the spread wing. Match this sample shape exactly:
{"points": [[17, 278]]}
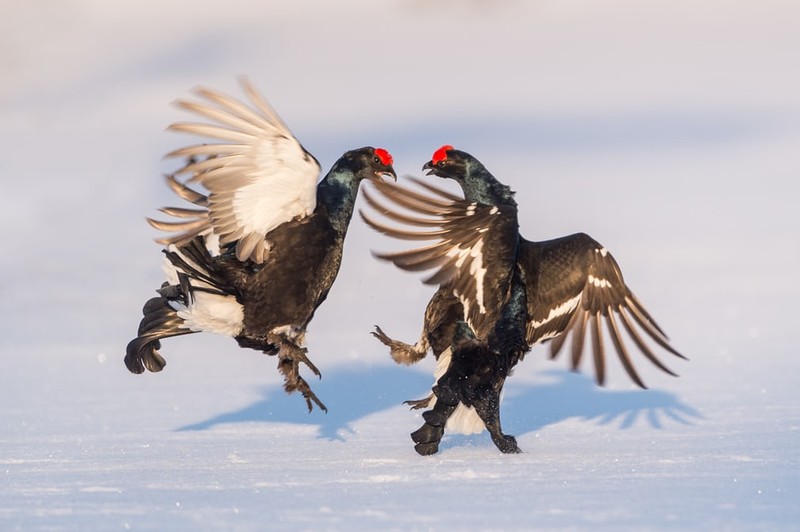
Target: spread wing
{"points": [[472, 251], [258, 175], [575, 286]]}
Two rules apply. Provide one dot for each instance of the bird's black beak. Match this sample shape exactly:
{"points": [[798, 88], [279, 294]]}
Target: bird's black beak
{"points": [[429, 167], [387, 174]]}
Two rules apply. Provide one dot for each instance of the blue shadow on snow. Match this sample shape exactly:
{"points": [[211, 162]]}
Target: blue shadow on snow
{"points": [[576, 395], [353, 393], [350, 393]]}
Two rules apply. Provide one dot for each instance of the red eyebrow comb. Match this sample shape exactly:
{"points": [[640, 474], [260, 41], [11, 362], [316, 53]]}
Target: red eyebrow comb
{"points": [[441, 154], [384, 156]]}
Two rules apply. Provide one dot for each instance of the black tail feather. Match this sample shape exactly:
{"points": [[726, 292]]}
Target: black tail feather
{"points": [[160, 321], [194, 261]]}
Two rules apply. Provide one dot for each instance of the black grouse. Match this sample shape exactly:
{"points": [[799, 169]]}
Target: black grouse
{"points": [[552, 289], [255, 256]]}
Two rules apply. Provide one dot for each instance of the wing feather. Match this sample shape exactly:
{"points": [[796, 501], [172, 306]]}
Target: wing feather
{"points": [[217, 132], [257, 173], [473, 246], [396, 216], [643, 347], [622, 351], [573, 280], [180, 212], [598, 350], [206, 150], [434, 189], [578, 339]]}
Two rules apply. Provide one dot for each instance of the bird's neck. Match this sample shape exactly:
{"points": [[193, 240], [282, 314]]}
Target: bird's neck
{"points": [[482, 187], [336, 196]]}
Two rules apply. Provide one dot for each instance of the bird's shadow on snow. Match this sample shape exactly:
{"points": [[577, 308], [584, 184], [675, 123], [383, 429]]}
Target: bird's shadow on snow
{"points": [[573, 395], [529, 407], [353, 393], [350, 393]]}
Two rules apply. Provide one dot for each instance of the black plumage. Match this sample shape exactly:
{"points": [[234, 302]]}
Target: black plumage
{"points": [[577, 269], [236, 270], [569, 286], [474, 379]]}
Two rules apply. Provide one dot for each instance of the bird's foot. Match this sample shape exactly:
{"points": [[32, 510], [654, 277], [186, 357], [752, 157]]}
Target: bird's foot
{"points": [[488, 408], [288, 349], [293, 382], [301, 355], [507, 444], [400, 352], [416, 404], [426, 439], [428, 436], [290, 355]]}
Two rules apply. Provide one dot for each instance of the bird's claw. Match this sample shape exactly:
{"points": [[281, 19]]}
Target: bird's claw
{"points": [[310, 396], [301, 355], [507, 444], [400, 352], [417, 404], [382, 337], [293, 382], [290, 355]]}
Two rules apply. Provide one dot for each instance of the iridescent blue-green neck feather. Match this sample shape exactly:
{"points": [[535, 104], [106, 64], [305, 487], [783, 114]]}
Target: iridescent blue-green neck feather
{"points": [[336, 195], [480, 186]]}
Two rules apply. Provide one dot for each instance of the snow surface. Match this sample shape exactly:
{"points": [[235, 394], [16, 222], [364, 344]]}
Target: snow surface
{"points": [[668, 131]]}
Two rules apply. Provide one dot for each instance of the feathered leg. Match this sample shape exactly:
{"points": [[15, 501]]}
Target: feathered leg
{"points": [[487, 405], [441, 315], [400, 352], [474, 378], [492, 367], [427, 437]]}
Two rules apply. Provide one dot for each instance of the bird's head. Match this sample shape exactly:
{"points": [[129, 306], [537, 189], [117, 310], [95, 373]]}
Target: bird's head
{"points": [[450, 163], [370, 163], [477, 183]]}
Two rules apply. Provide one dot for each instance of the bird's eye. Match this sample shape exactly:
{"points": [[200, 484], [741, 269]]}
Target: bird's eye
{"points": [[376, 160], [441, 163]]}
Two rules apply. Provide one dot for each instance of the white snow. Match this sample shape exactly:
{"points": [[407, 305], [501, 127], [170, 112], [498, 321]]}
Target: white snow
{"points": [[669, 132]]}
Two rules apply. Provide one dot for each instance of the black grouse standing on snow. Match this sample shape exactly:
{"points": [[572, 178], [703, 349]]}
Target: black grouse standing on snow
{"points": [[566, 286], [476, 260], [256, 256]]}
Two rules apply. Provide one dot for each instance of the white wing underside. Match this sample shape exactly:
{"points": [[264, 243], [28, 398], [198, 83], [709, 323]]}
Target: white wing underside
{"points": [[258, 175]]}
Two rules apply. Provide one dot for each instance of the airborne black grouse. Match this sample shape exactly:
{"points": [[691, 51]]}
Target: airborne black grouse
{"points": [[550, 289], [256, 256]]}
